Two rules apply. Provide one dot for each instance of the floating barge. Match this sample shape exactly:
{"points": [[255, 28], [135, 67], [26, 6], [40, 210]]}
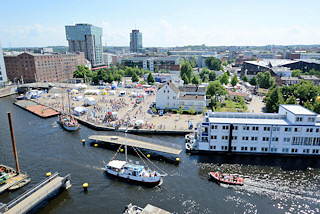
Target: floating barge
{"points": [[37, 109], [137, 141]]}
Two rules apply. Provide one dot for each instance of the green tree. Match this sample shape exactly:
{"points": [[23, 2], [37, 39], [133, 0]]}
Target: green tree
{"points": [[273, 100], [291, 100], [265, 80], [169, 53], [150, 79], [215, 89], [185, 79], [225, 63], [212, 76], [228, 72], [128, 72], [316, 106], [308, 105], [195, 80], [193, 62], [204, 74], [244, 78], [224, 79], [109, 78], [82, 72], [187, 69], [135, 78], [253, 81], [234, 80], [213, 63], [191, 110], [296, 73]]}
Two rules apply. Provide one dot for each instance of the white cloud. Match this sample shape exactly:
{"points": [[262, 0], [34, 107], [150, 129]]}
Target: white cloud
{"points": [[166, 34]]}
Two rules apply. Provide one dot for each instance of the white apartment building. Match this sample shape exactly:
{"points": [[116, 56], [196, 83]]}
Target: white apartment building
{"points": [[3, 73], [171, 97], [295, 130]]}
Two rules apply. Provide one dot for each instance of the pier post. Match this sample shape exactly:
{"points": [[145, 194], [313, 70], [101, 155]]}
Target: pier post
{"points": [[13, 143]]}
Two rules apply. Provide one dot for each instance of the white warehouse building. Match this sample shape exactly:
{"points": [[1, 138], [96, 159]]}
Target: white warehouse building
{"points": [[295, 130], [3, 73]]}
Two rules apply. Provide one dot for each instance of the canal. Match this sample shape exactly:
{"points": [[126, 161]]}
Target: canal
{"points": [[272, 185]]}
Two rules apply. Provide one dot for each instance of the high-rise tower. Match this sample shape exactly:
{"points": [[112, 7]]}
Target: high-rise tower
{"points": [[88, 39], [135, 41]]}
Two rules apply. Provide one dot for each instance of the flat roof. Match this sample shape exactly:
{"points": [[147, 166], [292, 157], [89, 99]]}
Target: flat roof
{"points": [[249, 121], [297, 109]]}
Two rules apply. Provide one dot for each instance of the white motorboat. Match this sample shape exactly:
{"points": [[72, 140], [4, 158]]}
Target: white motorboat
{"points": [[133, 172]]}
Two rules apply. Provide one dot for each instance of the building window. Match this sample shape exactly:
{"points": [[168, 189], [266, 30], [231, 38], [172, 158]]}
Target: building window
{"points": [[253, 149], [287, 129], [212, 147], [265, 139], [273, 149], [224, 137], [245, 128], [294, 150], [286, 150], [254, 138], [234, 137], [214, 127], [276, 129], [244, 148], [264, 149], [213, 137], [317, 130], [224, 147], [309, 130], [315, 151], [233, 148], [297, 129], [306, 151], [245, 138], [275, 139], [266, 128], [299, 119], [255, 128], [225, 127], [286, 139], [235, 128], [311, 119]]}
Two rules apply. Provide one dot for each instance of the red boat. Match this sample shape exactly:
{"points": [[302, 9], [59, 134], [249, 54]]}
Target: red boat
{"points": [[226, 179]]}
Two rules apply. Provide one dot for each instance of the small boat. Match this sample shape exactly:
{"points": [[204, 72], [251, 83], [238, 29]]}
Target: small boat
{"points": [[133, 172], [3, 177], [68, 122], [19, 185], [226, 179]]}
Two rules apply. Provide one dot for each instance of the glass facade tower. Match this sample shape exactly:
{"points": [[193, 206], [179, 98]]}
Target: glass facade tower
{"points": [[88, 39], [136, 41]]}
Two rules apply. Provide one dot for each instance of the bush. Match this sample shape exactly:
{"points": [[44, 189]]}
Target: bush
{"points": [[174, 111]]}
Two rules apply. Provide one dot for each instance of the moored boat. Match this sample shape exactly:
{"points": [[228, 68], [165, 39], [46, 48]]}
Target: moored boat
{"points": [[19, 185], [68, 122], [226, 179], [133, 172], [3, 177]]}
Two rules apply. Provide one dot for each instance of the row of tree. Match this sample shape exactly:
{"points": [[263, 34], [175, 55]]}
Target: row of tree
{"points": [[305, 94], [112, 74], [264, 80], [298, 72]]}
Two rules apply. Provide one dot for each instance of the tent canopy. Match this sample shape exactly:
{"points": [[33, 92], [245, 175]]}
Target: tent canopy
{"points": [[79, 110]]}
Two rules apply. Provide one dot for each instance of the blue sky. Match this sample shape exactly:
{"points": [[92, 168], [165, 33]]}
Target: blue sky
{"points": [[166, 23]]}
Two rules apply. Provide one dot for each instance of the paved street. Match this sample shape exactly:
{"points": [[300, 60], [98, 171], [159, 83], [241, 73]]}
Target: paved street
{"points": [[256, 105]]}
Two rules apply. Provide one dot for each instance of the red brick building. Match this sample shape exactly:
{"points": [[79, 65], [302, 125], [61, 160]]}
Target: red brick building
{"points": [[42, 67]]}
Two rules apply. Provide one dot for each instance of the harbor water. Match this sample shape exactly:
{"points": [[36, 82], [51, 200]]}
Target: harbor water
{"points": [[272, 184]]}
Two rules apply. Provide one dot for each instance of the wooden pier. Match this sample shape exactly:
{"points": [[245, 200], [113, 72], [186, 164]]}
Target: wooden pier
{"points": [[37, 109], [139, 142], [31, 198]]}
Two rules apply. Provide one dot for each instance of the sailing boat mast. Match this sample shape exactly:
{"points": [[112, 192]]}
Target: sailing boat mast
{"points": [[125, 141], [69, 103], [62, 101]]}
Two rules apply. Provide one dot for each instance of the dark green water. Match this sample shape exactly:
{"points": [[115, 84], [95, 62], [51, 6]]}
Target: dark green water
{"points": [[273, 185]]}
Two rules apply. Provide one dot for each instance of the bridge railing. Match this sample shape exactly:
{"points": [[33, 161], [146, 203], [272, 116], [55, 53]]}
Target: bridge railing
{"points": [[31, 191]]}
